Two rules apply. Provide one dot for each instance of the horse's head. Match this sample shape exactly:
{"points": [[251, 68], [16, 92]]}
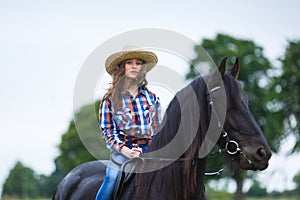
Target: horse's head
{"points": [[240, 126]]}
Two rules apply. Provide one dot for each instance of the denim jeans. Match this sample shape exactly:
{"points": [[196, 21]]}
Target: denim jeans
{"points": [[112, 170]]}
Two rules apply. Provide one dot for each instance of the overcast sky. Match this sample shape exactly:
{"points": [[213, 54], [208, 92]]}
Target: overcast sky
{"points": [[43, 45]]}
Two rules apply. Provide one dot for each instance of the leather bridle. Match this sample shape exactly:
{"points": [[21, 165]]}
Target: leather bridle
{"points": [[231, 147]]}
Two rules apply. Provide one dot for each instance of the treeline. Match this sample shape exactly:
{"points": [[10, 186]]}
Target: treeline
{"points": [[257, 191], [23, 182]]}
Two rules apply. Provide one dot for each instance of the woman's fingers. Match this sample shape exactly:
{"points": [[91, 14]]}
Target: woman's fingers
{"points": [[138, 149], [135, 152], [131, 153]]}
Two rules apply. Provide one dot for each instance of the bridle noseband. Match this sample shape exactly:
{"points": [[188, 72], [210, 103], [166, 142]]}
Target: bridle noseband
{"points": [[231, 146]]}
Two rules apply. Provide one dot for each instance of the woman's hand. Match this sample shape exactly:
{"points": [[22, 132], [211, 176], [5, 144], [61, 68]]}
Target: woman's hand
{"points": [[131, 153]]}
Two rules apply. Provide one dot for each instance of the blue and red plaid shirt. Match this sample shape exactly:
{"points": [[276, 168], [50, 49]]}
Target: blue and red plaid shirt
{"points": [[139, 118]]}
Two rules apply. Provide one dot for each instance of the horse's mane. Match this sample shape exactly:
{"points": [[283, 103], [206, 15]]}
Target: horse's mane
{"points": [[167, 183]]}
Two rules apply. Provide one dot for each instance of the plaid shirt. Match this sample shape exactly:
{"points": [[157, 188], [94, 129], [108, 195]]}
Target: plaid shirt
{"points": [[138, 118]]}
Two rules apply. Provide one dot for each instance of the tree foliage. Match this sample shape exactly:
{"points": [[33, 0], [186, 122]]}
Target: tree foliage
{"points": [[285, 98], [253, 76], [253, 72], [72, 151], [83, 131], [296, 180], [22, 182], [256, 190], [83, 141]]}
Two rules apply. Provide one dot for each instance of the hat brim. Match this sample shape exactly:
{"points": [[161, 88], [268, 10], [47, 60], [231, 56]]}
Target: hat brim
{"points": [[147, 56]]}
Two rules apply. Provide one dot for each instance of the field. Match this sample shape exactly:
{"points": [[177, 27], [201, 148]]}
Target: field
{"points": [[210, 197], [274, 198]]}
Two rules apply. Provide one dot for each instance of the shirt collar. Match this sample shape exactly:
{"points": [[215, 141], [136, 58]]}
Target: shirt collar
{"points": [[141, 91]]}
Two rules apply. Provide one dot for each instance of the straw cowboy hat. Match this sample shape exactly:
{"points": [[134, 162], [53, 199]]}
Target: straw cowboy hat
{"points": [[130, 52]]}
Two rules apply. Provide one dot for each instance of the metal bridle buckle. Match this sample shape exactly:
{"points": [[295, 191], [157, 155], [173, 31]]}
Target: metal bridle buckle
{"points": [[232, 147]]}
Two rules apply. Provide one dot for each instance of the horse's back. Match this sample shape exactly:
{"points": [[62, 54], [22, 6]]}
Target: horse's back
{"points": [[82, 182]]}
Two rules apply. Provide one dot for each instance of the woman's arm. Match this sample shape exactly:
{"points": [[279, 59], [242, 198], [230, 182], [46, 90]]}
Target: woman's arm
{"points": [[109, 129], [110, 133]]}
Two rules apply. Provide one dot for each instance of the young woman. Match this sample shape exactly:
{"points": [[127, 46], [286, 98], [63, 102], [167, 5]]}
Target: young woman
{"points": [[129, 113]]}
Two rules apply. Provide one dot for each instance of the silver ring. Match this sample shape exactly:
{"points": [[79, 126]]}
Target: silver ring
{"points": [[237, 149]]}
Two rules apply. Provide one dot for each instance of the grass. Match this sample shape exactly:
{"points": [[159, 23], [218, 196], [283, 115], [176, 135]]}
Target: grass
{"points": [[17, 198], [224, 195], [273, 198]]}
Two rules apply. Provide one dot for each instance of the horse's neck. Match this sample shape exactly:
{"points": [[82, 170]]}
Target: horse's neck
{"points": [[179, 180]]}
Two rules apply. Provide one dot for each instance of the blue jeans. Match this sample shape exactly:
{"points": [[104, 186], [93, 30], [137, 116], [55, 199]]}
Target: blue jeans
{"points": [[112, 170]]}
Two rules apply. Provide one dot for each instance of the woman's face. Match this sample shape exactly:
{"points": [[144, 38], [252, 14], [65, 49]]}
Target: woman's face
{"points": [[133, 68]]}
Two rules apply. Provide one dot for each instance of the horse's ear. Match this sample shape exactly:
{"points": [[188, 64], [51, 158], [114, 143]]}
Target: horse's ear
{"points": [[222, 67], [234, 70]]}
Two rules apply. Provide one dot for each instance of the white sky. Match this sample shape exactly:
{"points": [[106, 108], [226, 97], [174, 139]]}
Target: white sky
{"points": [[43, 45]]}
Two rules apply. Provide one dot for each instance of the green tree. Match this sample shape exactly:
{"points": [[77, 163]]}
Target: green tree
{"points": [[49, 183], [296, 179], [83, 132], [285, 99], [253, 76], [82, 142], [256, 190], [22, 182]]}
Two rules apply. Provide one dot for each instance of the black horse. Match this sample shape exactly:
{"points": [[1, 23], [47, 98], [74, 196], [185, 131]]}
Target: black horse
{"points": [[178, 172]]}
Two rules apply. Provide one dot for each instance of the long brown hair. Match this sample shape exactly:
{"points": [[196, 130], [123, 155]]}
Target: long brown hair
{"points": [[117, 85]]}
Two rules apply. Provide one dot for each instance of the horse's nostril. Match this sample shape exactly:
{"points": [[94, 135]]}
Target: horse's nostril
{"points": [[261, 153]]}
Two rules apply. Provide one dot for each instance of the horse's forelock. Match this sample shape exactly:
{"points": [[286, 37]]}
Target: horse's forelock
{"points": [[233, 91]]}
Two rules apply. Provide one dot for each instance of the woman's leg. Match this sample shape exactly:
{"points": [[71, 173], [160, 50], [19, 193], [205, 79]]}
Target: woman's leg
{"points": [[107, 188]]}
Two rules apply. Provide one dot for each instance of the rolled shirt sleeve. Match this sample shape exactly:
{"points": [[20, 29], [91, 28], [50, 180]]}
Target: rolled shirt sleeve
{"points": [[110, 133]]}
